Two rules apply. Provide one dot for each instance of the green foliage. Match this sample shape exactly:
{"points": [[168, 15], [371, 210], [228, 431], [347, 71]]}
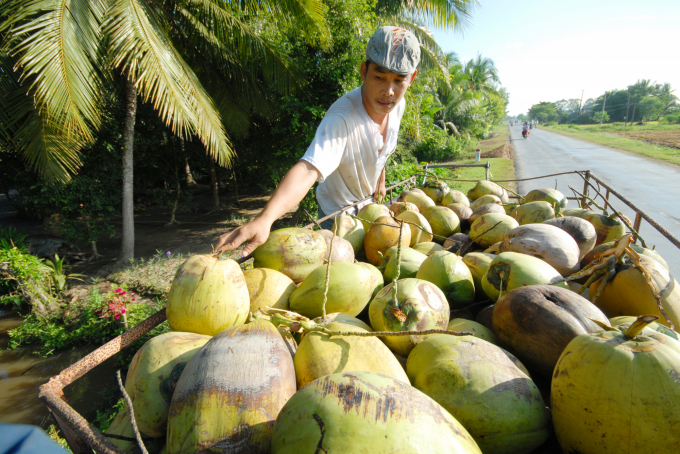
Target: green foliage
{"points": [[57, 273], [544, 112], [22, 275], [151, 276], [11, 237], [56, 437], [106, 415], [597, 116], [671, 119]]}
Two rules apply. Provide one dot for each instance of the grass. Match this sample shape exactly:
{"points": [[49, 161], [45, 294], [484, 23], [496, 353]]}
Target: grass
{"points": [[607, 136]]}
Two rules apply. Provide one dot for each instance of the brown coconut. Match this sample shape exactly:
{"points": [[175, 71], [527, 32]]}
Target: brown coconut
{"points": [[581, 231], [457, 242], [485, 209], [537, 322], [342, 249], [399, 207]]}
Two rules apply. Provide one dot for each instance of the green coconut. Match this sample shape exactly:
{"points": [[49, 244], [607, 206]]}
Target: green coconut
{"points": [[533, 213], [608, 228], [510, 207], [485, 388], [422, 234], [618, 391], [153, 372], [454, 196], [624, 321], [428, 248], [443, 221], [552, 196], [208, 295], [485, 209], [484, 187], [436, 190], [478, 263], [410, 263], [450, 274], [376, 277], [490, 228], [511, 270], [399, 207], [479, 330], [350, 229], [268, 288], [320, 354], [494, 248], [382, 236], [294, 251], [371, 212], [418, 198], [365, 412], [231, 392], [350, 289], [122, 426], [344, 319], [485, 200], [420, 306]]}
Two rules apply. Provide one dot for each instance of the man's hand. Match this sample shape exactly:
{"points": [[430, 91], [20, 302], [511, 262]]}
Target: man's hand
{"points": [[380, 191], [256, 233]]}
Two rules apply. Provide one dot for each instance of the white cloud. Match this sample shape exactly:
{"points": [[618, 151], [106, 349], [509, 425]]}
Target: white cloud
{"points": [[515, 46]]}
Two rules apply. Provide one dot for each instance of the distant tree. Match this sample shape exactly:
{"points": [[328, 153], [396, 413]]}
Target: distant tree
{"points": [[544, 112], [567, 105], [650, 108]]}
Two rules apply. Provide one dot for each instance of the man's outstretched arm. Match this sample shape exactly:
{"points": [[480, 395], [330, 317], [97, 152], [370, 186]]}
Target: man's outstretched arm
{"points": [[292, 189]]}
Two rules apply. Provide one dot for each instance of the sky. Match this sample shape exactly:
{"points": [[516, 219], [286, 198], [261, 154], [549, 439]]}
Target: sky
{"points": [[547, 50]]}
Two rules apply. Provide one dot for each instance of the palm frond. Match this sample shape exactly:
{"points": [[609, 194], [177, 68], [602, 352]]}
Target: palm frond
{"points": [[140, 47], [447, 14]]}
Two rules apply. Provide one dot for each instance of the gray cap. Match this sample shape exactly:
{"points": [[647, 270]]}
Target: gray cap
{"points": [[395, 49]]}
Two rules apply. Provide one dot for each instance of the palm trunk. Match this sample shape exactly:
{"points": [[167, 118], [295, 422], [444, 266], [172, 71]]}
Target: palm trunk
{"points": [[214, 183], [187, 169], [128, 247]]}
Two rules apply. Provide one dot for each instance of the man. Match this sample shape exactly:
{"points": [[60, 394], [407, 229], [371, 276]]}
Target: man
{"points": [[351, 146]]}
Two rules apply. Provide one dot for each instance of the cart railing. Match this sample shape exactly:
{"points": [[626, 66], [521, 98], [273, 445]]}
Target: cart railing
{"points": [[83, 437]]}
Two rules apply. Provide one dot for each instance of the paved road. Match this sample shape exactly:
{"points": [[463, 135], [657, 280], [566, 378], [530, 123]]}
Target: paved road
{"points": [[654, 188]]}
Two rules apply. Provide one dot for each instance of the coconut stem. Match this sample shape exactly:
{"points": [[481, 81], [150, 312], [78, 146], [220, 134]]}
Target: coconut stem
{"points": [[639, 324], [650, 282], [395, 301], [131, 411], [520, 196], [328, 273]]}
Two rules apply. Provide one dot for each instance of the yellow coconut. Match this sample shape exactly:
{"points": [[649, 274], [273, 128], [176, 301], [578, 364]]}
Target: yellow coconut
{"points": [[443, 221], [122, 426], [399, 207], [294, 251], [208, 295], [379, 238], [436, 190], [478, 263], [491, 228], [320, 354], [484, 187], [485, 209], [624, 321], [152, 376], [485, 200], [343, 251], [454, 196], [351, 229], [421, 232], [371, 212], [418, 198], [268, 288], [342, 318], [428, 248], [533, 212], [478, 330]]}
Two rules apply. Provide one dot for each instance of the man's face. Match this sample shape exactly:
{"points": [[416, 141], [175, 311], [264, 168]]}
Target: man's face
{"points": [[382, 89]]}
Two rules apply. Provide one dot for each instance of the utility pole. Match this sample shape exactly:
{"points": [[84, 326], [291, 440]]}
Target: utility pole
{"points": [[625, 123], [580, 103], [633, 117], [603, 104]]}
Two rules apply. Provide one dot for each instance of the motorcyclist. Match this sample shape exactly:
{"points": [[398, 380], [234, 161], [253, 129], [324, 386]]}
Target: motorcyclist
{"points": [[525, 129]]}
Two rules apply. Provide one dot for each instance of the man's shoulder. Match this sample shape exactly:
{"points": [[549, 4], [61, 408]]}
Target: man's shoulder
{"points": [[347, 105]]}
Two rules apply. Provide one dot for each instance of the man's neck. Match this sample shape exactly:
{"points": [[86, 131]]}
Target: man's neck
{"points": [[377, 117]]}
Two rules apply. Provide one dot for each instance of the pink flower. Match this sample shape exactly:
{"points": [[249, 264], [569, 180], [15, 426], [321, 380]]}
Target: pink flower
{"points": [[123, 293], [118, 290], [123, 311], [117, 316], [133, 299]]}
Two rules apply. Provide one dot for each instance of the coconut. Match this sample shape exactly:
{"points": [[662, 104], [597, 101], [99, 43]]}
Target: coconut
{"points": [[454, 196], [546, 242], [379, 238], [491, 228], [485, 388], [457, 243], [436, 190], [590, 256], [319, 355], [484, 187], [208, 295], [624, 321], [485, 200], [629, 294], [150, 382], [608, 228], [486, 209], [478, 263], [421, 306], [537, 322], [350, 288], [268, 288], [553, 197], [122, 426], [371, 212], [427, 248], [344, 319], [343, 251], [376, 277], [418, 235], [479, 330], [409, 264], [346, 413], [448, 272], [511, 270], [462, 211], [494, 249], [418, 198], [581, 231], [443, 221], [485, 317], [510, 208], [399, 207], [231, 392], [618, 391], [351, 229], [533, 213], [294, 251]]}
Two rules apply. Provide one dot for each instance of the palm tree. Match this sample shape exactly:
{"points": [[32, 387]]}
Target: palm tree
{"points": [[58, 55], [482, 74]]}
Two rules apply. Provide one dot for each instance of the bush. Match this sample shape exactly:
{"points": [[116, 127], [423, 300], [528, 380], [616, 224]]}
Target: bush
{"points": [[551, 123], [25, 280], [670, 119]]}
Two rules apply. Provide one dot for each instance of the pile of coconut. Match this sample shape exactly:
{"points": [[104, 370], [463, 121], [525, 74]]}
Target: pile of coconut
{"points": [[438, 324]]}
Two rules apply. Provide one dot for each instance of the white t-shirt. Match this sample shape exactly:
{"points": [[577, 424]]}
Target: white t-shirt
{"points": [[346, 150]]}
